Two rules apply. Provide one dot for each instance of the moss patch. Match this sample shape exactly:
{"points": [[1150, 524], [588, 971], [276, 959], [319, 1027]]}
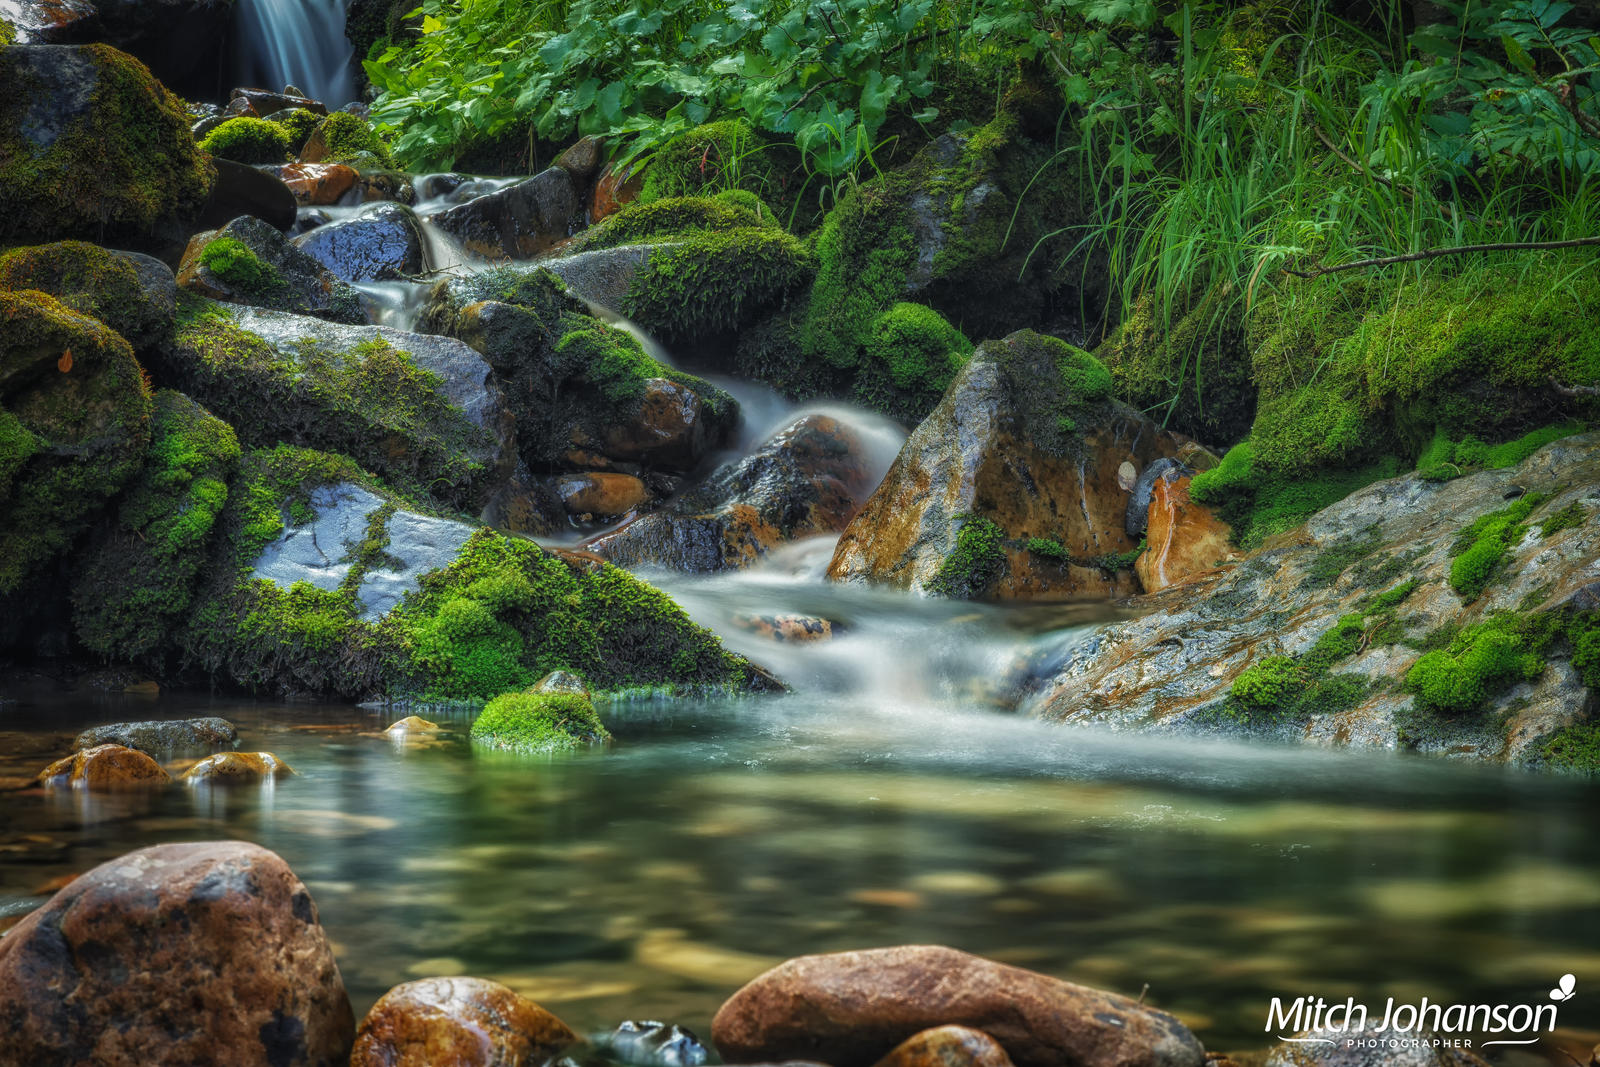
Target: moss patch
{"points": [[249, 141], [89, 280], [1482, 661], [975, 564], [711, 283], [538, 723], [641, 221], [346, 138], [1575, 748], [911, 354], [1259, 503], [1482, 549]]}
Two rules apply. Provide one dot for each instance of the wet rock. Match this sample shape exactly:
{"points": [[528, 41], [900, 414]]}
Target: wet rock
{"points": [[516, 222], [242, 190], [1173, 668], [227, 767], [850, 1009], [386, 185], [134, 294], [789, 628], [162, 738], [53, 21], [581, 159], [671, 427], [614, 190], [599, 494], [318, 184], [382, 243], [412, 726], [1184, 538], [178, 954], [562, 682], [266, 102], [947, 1046], [181, 41], [1136, 519], [93, 147], [653, 1044], [602, 276], [808, 479], [104, 766], [249, 262], [456, 1022], [992, 497], [1369, 1048]]}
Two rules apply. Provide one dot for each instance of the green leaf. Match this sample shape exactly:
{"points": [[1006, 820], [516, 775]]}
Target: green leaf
{"points": [[1517, 54]]}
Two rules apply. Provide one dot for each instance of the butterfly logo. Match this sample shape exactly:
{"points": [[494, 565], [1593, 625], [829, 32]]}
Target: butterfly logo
{"points": [[1565, 988]]}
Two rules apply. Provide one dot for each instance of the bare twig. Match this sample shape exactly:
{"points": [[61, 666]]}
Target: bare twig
{"points": [[1433, 253], [1336, 150], [807, 94]]}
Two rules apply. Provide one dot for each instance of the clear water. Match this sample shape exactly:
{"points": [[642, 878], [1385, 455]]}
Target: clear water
{"points": [[886, 801]]}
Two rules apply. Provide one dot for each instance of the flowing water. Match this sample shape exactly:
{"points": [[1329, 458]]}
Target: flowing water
{"points": [[295, 42]]}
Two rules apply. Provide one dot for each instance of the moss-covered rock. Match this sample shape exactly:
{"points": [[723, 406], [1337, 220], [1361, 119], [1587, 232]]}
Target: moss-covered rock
{"points": [[92, 146], [726, 156], [346, 138], [700, 285], [249, 262], [131, 293], [641, 221], [249, 140], [909, 357], [422, 411], [538, 723], [134, 584], [74, 424]]}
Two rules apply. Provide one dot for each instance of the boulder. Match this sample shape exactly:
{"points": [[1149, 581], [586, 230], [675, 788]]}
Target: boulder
{"points": [[1314, 638], [615, 189], [226, 767], [187, 954], [345, 137], [412, 726], [53, 21], [538, 723], [318, 184], [516, 222], [851, 1009], [422, 410], [385, 185], [383, 243], [581, 159], [267, 103], [104, 766], [164, 738], [241, 190], [93, 147], [1183, 538], [249, 262], [947, 1046], [1012, 488], [457, 1022], [601, 276], [562, 682], [134, 294], [807, 480], [600, 494]]}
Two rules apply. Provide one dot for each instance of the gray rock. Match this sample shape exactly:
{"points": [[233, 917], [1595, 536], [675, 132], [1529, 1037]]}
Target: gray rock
{"points": [[604, 275], [648, 1043], [382, 243], [159, 738], [518, 221], [561, 682], [1138, 515], [298, 283]]}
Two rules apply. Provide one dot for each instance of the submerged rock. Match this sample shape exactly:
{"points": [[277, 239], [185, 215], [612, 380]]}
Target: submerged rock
{"points": [[647, 1043], [1010, 490], [808, 479], [383, 243], [457, 1022], [516, 222], [104, 765], [178, 954], [249, 262], [850, 1009], [238, 767], [412, 726], [163, 737], [948, 1046]]}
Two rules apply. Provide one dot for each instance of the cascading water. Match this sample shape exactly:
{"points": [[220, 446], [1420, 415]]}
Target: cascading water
{"points": [[296, 42]]}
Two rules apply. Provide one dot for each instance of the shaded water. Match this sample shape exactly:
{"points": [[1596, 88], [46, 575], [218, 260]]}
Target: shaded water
{"points": [[884, 803]]}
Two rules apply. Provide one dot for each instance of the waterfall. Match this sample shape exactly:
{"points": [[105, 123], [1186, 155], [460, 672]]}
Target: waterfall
{"points": [[296, 42]]}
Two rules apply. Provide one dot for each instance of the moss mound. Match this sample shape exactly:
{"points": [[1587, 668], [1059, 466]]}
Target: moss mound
{"points": [[710, 283], [136, 582], [910, 355], [74, 424], [1057, 387], [641, 220], [538, 723], [725, 156], [346, 138], [249, 141], [92, 281], [92, 146]]}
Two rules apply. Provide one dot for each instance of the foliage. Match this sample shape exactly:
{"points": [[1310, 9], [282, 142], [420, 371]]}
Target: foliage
{"points": [[974, 564], [249, 141], [538, 723], [1258, 503], [346, 138]]}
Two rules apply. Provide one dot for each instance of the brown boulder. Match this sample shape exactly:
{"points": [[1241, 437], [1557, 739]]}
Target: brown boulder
{"points": [[104, 766], [614, 190], [1183, 538], [318, 184], [238, 767], [600, 493], [412, 725], [948, 1046], [786, 627], [456, 1022], [192, 954], [670, 428], [852, 1008], [1014, 488]]}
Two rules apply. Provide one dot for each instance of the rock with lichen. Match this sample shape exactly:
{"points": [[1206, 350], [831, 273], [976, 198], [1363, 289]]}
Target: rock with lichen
{"points": [[249, 262]]}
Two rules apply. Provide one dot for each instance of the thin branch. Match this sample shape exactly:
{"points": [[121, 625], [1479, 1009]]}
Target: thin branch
{"points": [[1409, 194], [1574, 390], [1569, 100], [807, 94], [1433, 253]]}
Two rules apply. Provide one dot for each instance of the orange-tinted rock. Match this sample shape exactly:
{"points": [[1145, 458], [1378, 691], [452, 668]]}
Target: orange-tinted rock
{"points": [[318, 184], [983, 453], [412, 725], [1183, 538], [794, 629], [456, 1022], [850, 1009], [808, 479], [104, 766], [238, 767], [600, 493], [948, 1046], [192, 954], [614, 190], [669, 430]]}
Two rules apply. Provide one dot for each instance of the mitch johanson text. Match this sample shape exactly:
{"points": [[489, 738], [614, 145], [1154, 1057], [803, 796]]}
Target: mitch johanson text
{"points": [[1519, 1022]]}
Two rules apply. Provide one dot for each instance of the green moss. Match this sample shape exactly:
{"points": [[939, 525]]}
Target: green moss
{"points": [[298, 124], [713, 283], [89, 280], [1479, 662], [727, 156], [1444, 459], [539, 723], [642, 221], [236, 264], [1269, 684], [1482, 549], [135, 583], [1567, 518], [975, 564], [1048, 548], [116, 171], [249, 141], [909, 356], [1331, 562], [1258, 503], [1574, 748], [347, 139]]}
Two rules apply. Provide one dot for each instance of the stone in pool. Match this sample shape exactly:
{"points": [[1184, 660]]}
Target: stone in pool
{"points": [[850, 1009], [238, 767], [948, 1046], [103, 766], [653, 1044], [209, 734], [203, 953], [456, 1022]]}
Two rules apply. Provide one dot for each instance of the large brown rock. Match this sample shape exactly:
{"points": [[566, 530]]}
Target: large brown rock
{"points": [[997, 450], [457, 1022], [948, 1046], [1184, 538], [851, 1008], [238, 767], [104, 766], [194, 954], [808, 479]]}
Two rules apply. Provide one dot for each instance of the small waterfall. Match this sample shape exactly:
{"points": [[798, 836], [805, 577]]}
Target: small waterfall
{"points": [[296, 42]]}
